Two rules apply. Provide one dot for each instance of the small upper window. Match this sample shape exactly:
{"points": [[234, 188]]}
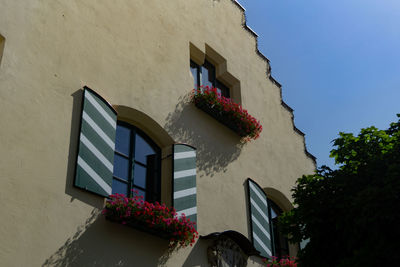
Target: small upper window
{"points": [[137, 163], [205, 76]]}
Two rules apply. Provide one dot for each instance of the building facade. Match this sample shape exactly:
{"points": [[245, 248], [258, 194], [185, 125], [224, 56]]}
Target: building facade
{"points": [[141, 60]]}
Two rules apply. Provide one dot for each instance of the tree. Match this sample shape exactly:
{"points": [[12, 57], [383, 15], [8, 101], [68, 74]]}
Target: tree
{"points": [[351, 215]]}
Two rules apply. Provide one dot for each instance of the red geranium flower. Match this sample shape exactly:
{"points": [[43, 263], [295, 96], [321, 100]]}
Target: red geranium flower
{"points": [[152, 215], [227, 112]]}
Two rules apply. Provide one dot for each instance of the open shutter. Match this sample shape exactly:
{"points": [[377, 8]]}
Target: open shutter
{"points": [[94, 169], [184, 181], [259, 219]]}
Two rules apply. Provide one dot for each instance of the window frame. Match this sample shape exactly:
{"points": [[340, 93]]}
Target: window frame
{"points": [[223, 89], [150, 196], [276, 236]]}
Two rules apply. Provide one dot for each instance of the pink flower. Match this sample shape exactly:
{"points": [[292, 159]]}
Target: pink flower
{"points": [[153, 215], [246, 125]]}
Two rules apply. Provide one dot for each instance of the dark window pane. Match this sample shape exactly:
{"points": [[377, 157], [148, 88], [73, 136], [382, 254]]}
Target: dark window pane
{"points": [[152, 183], [145, 161], [138, 192], [142, 149], [208, 74], [119, 187], [139, 176], [121, 167], [122, 140], [194, 68], [222, 89]]}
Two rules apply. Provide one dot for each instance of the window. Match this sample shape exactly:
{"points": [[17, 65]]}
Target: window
{"points": [[205, 76], [264, 213], [113, 156], [280, 242], [116, 157], [137, 163]]}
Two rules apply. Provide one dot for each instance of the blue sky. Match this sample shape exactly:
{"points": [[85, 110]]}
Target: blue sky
{"points": [[338, 63]]}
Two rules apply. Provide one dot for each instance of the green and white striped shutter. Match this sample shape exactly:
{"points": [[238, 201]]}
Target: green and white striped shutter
{"points": [[184, 181], [259, 219], [94, 169]]}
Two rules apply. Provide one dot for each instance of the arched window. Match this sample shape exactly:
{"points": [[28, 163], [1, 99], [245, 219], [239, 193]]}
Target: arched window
{"points": [[263, 216], [137, 163], [279, 241]]}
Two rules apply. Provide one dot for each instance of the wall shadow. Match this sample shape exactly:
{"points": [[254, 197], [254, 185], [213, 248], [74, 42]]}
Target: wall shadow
{"points": [[76, 193], [99, 242], [217, 146], [198, 255]]}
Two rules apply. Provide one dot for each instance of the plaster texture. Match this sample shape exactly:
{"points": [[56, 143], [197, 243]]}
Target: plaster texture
{"points": [[136, 55]]}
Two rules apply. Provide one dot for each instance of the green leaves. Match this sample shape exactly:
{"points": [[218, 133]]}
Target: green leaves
{"points": [[351, 214]]}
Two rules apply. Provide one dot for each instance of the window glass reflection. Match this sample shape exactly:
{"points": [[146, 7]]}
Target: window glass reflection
{"points": [[139, 176], [136, 164], [194, 68], [208, 74], [119, 187], [142, 149], [122, 140], [121, 167], [205, 75]]}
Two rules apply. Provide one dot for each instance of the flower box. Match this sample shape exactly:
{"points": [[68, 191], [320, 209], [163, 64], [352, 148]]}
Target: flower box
{"points": [[227, 112], [141, 227], [153, 218]]}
